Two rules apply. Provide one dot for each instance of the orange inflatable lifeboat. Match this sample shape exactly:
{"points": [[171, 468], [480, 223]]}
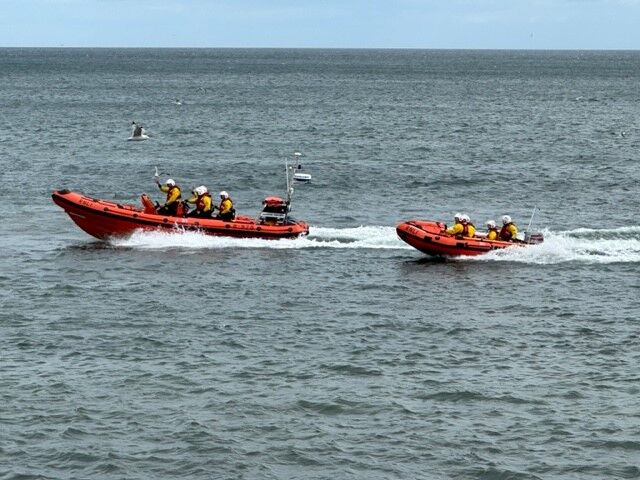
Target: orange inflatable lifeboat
{"points": [[104, 219], [430, 237]]}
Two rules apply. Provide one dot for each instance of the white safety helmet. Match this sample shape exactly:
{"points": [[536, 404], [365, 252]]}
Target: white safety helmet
{"points": [[201, 190], [506, 219], [224, 194], [491, 224], [466, 218], [457, 217], [171, 182]]}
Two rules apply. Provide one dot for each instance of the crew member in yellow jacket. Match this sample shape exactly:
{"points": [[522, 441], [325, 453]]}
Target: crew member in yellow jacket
{"points": [[509, 230], [457, 227], [225, 209], [468, 228], [173, 197], [492, 230], [202, 200], [462, 226]]}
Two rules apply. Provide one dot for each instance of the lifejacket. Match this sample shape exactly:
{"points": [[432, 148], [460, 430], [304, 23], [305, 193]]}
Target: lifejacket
{"points": [[201, 204], [170, 193], [494, 230], [465, 229], [466, 233], [226, 206], [505, 233]]}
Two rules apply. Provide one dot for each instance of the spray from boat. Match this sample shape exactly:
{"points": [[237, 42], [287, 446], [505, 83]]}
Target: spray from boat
{"points": [[583, 246]]}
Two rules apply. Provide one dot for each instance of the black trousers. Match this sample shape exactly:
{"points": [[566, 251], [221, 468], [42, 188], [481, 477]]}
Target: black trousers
{"points": [[198, 214], [168, 209]]}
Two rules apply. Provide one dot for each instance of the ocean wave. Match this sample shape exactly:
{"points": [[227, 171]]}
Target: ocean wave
{"points": [[470, 396]]}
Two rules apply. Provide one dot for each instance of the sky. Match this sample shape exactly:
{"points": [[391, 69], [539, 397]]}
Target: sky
{"points": [[439, 24]]}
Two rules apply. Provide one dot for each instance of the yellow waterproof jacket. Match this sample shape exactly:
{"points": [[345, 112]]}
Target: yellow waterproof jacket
{"points": [[225, 206], [173, 193], [456, 229], [508, 232], [462, 230], [203, 202], [492, 234], [470, 230]]}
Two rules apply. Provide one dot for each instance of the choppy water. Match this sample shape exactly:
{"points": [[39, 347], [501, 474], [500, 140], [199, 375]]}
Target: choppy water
{"points": [[346, 354]]}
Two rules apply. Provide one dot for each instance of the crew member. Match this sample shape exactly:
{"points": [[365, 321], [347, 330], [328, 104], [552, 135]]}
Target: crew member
{"points": [[492, 230], [174, 194], [225, 209], [468, 228], [457, 227], [202, 200], [509, 230]]}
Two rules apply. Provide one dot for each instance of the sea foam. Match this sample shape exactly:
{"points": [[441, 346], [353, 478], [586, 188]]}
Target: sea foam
{"points": [[620, 245]]}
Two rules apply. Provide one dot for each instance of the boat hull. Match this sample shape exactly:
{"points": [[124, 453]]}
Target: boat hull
{"points": [[302, 177], [429, 237], [104, 219]]}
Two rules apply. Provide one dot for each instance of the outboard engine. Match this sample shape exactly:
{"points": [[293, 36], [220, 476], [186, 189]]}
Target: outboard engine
{"points": [[533, 238], [274, 211]]}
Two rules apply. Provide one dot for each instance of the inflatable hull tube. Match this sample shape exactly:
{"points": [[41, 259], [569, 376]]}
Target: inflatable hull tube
{"points": [[104, 219], [429, 237]]}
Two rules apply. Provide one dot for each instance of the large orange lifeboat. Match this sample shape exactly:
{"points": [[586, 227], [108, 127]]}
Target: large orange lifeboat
{"points": [[430, 237], [104, 219]]}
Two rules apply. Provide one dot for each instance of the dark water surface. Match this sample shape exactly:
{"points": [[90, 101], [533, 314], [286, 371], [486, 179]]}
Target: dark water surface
{"points": [[346, 354]]}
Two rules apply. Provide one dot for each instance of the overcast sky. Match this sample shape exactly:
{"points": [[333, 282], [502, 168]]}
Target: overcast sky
{"points": [[486, 24]]}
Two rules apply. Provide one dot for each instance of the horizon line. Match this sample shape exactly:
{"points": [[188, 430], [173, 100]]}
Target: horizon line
{"points": [[74, 47]]}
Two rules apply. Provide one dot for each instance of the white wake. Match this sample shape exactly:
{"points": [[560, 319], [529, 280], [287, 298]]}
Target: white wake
{"points": [[618, 245], [371, 237], [600, 246]]}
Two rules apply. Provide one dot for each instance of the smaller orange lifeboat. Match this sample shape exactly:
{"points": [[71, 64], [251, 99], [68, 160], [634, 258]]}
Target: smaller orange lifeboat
{"points": [[430, 237]]}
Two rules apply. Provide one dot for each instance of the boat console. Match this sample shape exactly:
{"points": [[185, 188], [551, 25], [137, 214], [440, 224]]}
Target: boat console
{"points": [[274, 211]]}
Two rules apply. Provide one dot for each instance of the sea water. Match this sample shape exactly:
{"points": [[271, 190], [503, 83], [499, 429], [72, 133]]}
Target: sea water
{"points": [[347, 353]]}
